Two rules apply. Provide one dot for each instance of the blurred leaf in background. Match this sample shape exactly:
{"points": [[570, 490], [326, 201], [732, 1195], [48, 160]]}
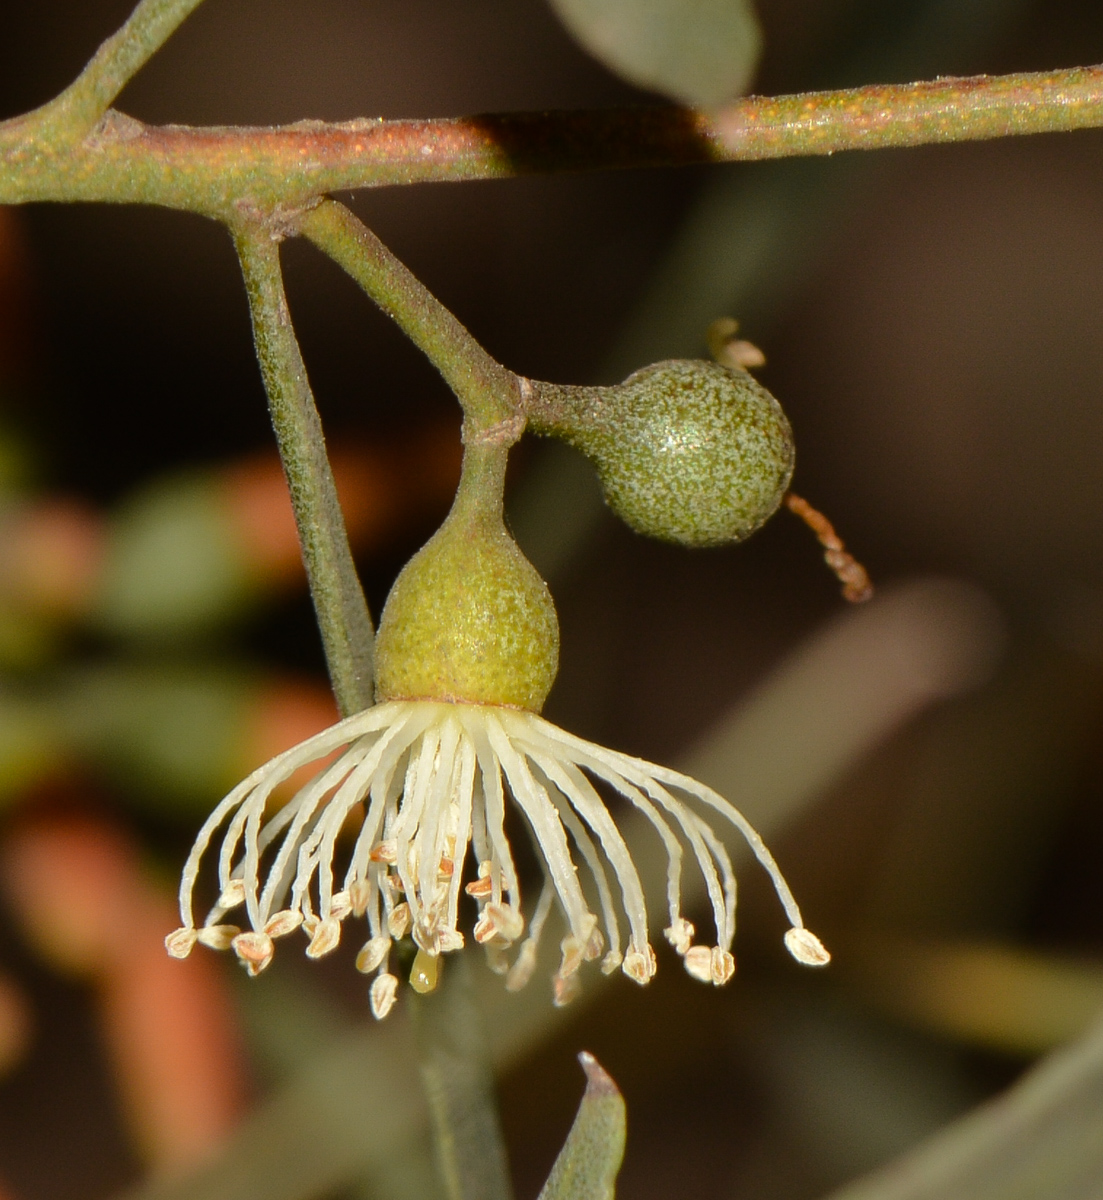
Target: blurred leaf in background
{"points": [[698, 52]]}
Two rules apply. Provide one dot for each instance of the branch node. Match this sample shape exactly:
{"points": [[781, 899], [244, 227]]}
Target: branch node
{"points": [[501, 433]]}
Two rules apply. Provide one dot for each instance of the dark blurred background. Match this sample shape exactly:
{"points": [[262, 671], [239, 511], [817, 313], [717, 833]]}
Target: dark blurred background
{"points": [[931, 324]]}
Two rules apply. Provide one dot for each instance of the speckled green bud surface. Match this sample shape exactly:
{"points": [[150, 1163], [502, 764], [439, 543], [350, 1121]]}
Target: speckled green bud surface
{"points": [[689, 451], [469, 619]]}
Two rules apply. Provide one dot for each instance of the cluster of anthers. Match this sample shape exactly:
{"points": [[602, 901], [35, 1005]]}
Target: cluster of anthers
{"points": [[426, 781]]}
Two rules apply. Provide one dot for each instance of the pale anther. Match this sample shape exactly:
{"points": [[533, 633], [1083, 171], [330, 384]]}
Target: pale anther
{"points": [[806, 948], [572, 950], [233, 894], [500, 923], [680, 934], [698, 962], [255, 951], [179, 943], [398, 922], [382, 994], [373, 954], [595, 945], [723, 966], [565, 990], [282, 923], [360, 894], [521, 971], [217, 937], [611, 961], [325, 939], [638, 966], [496, 959]]}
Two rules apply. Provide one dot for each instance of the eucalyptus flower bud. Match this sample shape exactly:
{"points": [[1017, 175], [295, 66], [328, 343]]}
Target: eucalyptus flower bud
{"points": [[687, 451], [468, 619]]}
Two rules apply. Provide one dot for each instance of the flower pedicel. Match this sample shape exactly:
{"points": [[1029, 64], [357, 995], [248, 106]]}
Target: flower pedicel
{"points": [[466, 654]]}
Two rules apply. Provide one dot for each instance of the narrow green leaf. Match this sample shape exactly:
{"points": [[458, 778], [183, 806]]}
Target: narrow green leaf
{"points": [[699, 52], [1040, 1140], [587, 1166]]}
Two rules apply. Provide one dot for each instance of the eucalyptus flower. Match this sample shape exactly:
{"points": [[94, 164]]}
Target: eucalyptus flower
{"points": [[466, 653]]}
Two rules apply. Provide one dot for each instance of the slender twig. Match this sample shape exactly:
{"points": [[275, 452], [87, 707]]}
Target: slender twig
{"points": [[338, 599], [488, 392], [215, 170], [83, 104]]}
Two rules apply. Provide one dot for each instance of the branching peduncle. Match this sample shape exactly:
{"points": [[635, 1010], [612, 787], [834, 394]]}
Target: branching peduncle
{"points": [[83, 104], [489, 393], [343, 616], [493, 398]]}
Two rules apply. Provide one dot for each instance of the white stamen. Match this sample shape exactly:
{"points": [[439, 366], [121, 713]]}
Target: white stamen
{"points": [[433, 780]]}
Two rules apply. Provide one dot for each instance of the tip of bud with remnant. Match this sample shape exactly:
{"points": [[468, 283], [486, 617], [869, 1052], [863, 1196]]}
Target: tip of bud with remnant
{"points": [[597, 1078]]}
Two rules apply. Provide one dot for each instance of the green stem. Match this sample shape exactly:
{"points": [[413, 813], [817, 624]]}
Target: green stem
{"points": [[488, 392], [84, 102], [459, 1083], [216, 170], [554, 408], [343, 616], [482, 484]]}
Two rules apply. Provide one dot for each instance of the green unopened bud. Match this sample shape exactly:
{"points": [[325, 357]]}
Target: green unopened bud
{"points": [[469, 619], [688, 451]]}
